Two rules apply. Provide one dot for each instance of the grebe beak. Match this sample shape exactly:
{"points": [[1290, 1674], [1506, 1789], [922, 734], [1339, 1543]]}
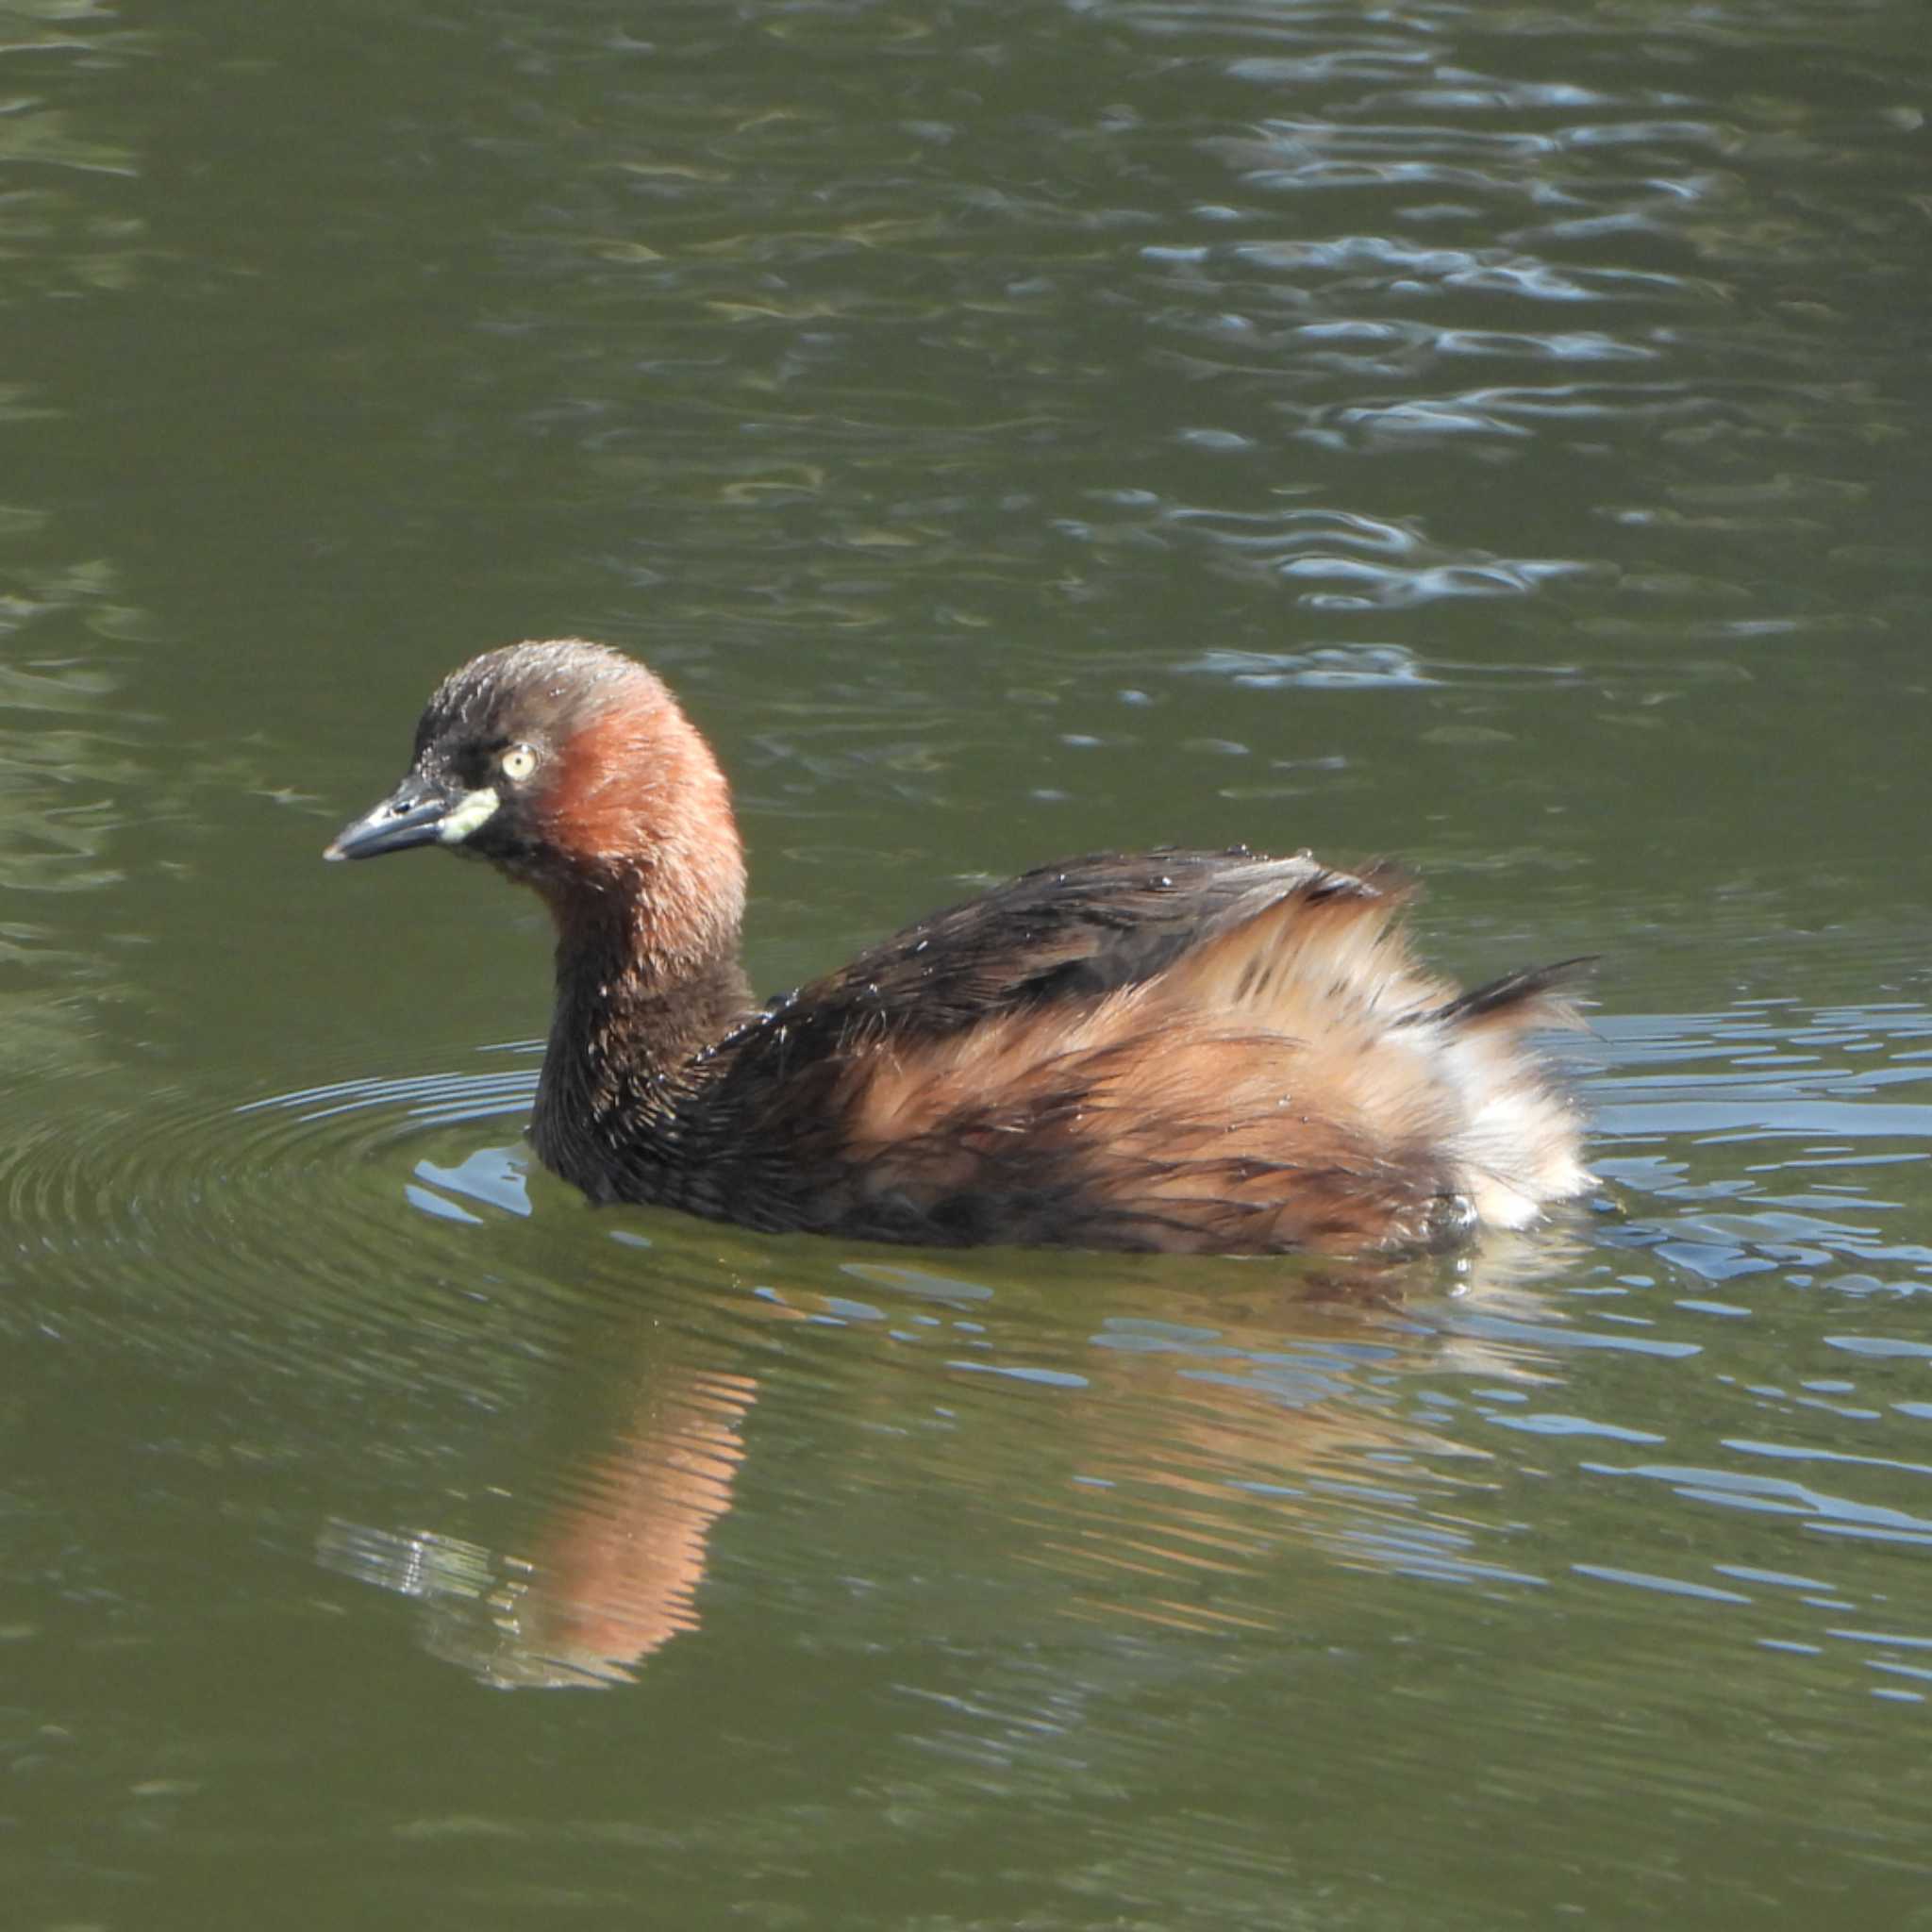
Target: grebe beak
{"points": [[420, 811]]}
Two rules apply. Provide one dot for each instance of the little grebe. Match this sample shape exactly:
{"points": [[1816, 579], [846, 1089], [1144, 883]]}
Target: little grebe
{"points": [[1212, 1051]]}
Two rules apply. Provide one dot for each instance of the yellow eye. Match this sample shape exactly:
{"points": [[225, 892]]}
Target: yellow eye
{"points": [[518, 762]]}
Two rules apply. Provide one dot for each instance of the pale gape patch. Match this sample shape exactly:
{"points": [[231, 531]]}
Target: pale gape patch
{"points": [[473, 809]]}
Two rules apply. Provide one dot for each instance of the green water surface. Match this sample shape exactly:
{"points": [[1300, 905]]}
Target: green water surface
{"points": [[1490, 435]]}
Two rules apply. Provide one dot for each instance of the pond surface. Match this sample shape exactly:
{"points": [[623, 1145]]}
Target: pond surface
{"points": [[1490, 435]]}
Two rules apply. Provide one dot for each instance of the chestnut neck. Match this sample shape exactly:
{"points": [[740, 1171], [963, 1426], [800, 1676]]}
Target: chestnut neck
{"points": [[644, 877]]}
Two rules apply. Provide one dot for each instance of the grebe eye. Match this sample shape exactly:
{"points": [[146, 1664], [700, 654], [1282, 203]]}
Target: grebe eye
{"points": [[518, 762]]}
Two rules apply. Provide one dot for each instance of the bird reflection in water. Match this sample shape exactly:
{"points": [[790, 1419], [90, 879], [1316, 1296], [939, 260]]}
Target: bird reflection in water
{"points": [[1207, 1413], [612, 1568]]}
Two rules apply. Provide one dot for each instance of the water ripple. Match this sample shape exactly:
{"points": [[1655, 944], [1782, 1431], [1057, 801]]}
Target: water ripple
{"points": [[273, 1230]]}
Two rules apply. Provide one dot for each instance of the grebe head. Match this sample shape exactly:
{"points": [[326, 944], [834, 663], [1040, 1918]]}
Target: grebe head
{"points": [[570, 767]]}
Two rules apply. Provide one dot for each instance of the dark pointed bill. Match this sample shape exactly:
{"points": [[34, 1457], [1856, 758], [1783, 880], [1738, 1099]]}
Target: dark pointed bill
{"points": [[420, 811]]}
